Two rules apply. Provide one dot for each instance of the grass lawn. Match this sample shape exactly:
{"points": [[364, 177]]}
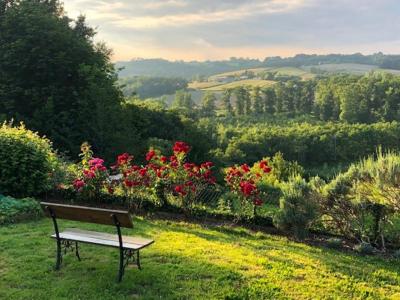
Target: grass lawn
{"points": [[189, 262], [196, 85], [245, 82]]}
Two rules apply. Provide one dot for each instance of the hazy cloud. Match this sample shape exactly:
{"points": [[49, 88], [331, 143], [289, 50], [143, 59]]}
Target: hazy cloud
{"points": [[217, 29]]}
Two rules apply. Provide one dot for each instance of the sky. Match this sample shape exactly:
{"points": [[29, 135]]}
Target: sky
{"points": [[220, 29]]}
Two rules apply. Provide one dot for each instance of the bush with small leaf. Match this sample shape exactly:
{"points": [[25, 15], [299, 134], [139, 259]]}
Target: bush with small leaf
{"points": [[27, 161], [297, 207]]}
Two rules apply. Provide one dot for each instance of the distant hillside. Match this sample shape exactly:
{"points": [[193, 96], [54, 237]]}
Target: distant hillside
{"points": [[187, 70], [378, 59], [356, 69], [196, 69]]}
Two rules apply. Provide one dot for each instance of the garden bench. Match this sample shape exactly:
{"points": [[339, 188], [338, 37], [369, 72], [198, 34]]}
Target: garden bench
{"points": [[129, 247]]}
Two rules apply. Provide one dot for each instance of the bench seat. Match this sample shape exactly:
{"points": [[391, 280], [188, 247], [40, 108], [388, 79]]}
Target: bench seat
{"points": [[105, 239]]}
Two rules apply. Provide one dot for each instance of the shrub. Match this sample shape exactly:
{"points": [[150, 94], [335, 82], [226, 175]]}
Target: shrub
{"points": [[365, 248], [334, 243], [362, 203], [14, 210], [297, 207], [27, 161], [161, 177], [177, 177], [93, 176], [245, 183]]}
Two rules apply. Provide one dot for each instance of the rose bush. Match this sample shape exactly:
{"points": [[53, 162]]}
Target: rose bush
{"points": [[93, 176], [243, 181], [179, 178]]}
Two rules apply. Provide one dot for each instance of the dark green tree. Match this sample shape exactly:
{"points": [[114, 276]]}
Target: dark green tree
{"points": [[208, 104], [247, 101], [239, 93], [269, 97], [183, 100], [257, 100], [54, 77], [226, 101]]}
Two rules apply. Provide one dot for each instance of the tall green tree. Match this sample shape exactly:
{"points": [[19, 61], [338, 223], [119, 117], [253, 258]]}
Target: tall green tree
{"points": [[269, 97], [208, 104], [257, 100], [247, 101], [183, 100], [54, 77], [226, 101], [327, 101], [239, 93]]}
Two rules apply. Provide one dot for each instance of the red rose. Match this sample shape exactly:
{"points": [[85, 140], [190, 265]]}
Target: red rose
{"points": [[78, 184], [89, 174], [181, 147], [257, 202], [143, 171], [207, 165], [180, 190], [245, 168], [150, 155], [124, 158], [247, 188], [110, 190], [96, 161], [128, 183], [267, 169], [163, 159]]}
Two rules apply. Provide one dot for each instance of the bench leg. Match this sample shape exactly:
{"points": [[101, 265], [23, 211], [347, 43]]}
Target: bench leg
{"points": [[77, 251], [59, 256], [138, 260], [121, 265]]}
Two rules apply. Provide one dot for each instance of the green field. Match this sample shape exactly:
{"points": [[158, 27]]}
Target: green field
{"points": [[189, 261], [245, 82], [237, 73], [214, 85], [304, 73], [198, 85], [356, 69]]}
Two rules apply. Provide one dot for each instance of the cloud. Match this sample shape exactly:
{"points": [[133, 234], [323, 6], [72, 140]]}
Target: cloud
{"points": [[208, 29], [211, 16], [175, 13]]}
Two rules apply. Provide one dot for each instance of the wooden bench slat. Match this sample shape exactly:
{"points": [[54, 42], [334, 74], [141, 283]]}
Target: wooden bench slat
{"points": [[88, 214], [112, 237], [98, 238]]}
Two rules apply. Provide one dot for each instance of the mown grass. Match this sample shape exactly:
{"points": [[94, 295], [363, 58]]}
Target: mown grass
{"points": [[238, 73], [188, 261], [245, 82], [197, 85]]}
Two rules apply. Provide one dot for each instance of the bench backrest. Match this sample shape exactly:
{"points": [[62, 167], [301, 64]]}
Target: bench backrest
{"points": [[87, 214]]}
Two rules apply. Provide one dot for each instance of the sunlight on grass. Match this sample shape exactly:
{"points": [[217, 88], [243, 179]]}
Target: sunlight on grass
{"points": [[189, 261]]}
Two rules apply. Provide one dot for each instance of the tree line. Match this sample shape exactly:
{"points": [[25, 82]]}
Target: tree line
{"points": [[374, 97]]}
